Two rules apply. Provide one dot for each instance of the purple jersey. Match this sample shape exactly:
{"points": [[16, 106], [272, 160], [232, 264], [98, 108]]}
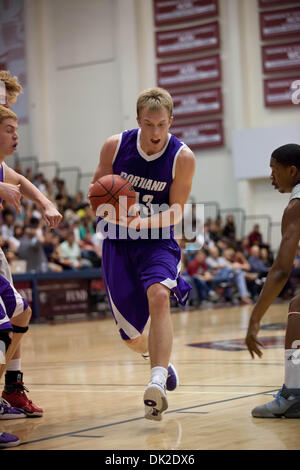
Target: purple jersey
{"points": [[129, 269], [150, 175]]}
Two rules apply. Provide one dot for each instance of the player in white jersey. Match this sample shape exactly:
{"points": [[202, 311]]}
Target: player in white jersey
{"points": [[285, 177]]}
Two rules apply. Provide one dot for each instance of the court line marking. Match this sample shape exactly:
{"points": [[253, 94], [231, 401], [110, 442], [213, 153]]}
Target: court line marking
{"points": [[142, 385], [139, 391], [140, 418]]}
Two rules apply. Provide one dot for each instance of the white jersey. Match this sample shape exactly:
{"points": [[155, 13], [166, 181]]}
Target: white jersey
{"points": [[295, 194]]}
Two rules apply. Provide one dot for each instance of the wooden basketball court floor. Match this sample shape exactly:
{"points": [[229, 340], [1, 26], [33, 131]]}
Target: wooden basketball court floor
{"points": [[91, 387]]}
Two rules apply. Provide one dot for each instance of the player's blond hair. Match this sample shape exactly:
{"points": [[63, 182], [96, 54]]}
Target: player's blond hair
{"points": [[12, 85], [154, 99], [6, 113]]}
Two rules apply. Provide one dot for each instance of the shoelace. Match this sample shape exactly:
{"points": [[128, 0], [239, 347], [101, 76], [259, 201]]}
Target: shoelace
{"points": [[278, 397], [20, 386]]}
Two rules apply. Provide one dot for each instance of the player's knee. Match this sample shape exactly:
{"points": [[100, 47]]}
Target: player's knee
{"points": [[294, 305], [158, 295], [22, 320]]}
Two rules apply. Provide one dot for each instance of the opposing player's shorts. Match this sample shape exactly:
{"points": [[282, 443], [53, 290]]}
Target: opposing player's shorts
{"points": [[129, 268], [11, 303]]}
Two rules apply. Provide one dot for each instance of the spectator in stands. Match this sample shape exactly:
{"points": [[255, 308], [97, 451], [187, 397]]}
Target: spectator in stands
{"points": [[200, 277], [266, 256], [255, 237], [229, 228], [31, 250], [52, 256], [90, 251], [226, 271], [71, 254], [8, 224], [257, 265], [15, 240]]}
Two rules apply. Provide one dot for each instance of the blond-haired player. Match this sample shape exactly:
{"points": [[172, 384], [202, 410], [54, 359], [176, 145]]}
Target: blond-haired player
{"points": [[12, 186]]}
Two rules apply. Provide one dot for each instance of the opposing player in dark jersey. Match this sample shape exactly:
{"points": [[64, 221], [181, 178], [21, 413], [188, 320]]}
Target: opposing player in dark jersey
{"points": [[140, 274], [285, 177]]}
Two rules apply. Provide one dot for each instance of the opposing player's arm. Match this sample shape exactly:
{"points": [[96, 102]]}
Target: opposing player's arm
{"points": [[278, 274], [29, 191], [105, 165], [280, 271]]}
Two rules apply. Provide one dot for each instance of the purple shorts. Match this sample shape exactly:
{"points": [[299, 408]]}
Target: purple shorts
{"points": [[11, 303], [129, 268]]}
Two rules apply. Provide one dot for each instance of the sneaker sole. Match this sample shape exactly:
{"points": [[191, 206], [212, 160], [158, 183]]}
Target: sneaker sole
{"points": [[34, 414], [9, 444], [13, 417], [155, 403], [291, 413]]}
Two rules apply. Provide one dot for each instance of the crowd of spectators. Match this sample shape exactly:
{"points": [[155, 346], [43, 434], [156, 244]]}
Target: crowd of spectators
{"points": [[220, 267], [31, 247]]}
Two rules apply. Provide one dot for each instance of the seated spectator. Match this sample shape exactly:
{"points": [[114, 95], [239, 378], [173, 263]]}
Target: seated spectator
{"points": [[32, 251], [255, 237], [257, 265], [229, 228], [266, 256], [200, 277], [50, 251], [71, 254], [15, 240], [225, 271], [7, 229], [90, 251]]}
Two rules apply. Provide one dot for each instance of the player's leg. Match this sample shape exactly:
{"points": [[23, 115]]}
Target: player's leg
{"points": [[287, 401], [139, 344], [6, 411], [19, 313], [159, 270]]}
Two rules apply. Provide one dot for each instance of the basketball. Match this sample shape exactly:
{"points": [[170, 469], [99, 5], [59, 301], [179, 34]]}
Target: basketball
{"points": [[111, 195]]}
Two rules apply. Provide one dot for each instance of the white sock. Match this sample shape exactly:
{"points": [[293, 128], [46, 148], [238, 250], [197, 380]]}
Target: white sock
{"points": [[14, 364], [292, 368], [159, 374]]}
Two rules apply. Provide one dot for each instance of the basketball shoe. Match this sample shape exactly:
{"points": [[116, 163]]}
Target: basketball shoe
{"points": [[8, 440], [285, 405], [14, 394], [172, 378], [10, 412], [155, 400]]}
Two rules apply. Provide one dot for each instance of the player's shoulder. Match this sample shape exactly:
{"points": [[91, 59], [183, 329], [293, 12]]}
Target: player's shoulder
{"points": [[186, 156], [292, 211], [111, 144]]}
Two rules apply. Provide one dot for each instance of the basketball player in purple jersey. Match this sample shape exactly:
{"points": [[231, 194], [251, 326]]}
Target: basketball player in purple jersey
{"points": [[141, 274], [12, 186], [285, 177]]}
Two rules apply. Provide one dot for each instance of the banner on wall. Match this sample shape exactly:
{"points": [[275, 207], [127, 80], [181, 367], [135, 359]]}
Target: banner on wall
{"points": [[197, 103], [177, 11], [189, 72], [274, 3], [12, 49], [281, 57], [279, 91], [280, 23], [200, 135], [187, 40]]}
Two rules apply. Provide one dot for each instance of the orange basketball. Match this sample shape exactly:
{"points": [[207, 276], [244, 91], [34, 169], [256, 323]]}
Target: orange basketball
{"points": [[112, 195]]}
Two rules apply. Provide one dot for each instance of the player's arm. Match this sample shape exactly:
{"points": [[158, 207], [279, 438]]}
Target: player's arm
{"points": [[105, 165], [278, 274], [179, 193], [29, 191]]}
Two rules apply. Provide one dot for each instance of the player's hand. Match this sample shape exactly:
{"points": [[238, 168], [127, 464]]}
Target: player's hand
{"points": [[251, 339], [11, 194], [52, 216]]}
